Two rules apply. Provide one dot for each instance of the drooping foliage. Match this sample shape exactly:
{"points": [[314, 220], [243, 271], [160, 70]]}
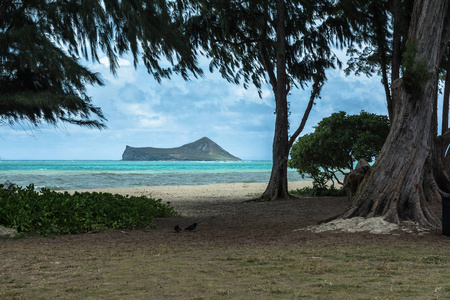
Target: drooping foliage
{"points": [[41, 43], [282, 43], [337, 143], [240, 38], [380, 33]]}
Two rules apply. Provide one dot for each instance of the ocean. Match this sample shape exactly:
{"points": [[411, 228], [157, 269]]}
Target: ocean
{"points": [[77, 174]]}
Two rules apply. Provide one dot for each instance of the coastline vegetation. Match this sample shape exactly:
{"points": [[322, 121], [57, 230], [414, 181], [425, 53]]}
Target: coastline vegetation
{"points": [[50, 213], [319, 191]]}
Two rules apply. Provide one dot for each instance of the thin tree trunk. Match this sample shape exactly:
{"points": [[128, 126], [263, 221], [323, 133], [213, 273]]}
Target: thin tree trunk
{"points": [[384, 80], [396, 49], [317, 86], [278, 184], [382, 46], [445, 105], [404, 179], [396, 41]]}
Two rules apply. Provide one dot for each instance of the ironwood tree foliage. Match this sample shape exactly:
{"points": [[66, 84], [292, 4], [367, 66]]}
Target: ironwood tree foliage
{"points": [[284, 43], [380, 29], [42, 41], [337, 142]]}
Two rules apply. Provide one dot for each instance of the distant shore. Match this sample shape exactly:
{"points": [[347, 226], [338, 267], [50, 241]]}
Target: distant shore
{"points": [[211, 192]]}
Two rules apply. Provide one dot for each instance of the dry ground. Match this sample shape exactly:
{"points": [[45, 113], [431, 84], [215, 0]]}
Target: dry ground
{"points": [[240, 250]]}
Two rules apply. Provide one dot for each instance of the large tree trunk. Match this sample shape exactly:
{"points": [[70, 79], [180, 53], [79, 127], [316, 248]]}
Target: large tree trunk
{"points": [[404, 177], [278, 183]]}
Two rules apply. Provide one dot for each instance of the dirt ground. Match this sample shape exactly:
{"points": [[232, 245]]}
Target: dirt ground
{"points": [[237, 222], [239, 250]]}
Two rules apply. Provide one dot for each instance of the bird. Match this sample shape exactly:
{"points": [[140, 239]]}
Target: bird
{"points": [[191, 227], [178, 228]]}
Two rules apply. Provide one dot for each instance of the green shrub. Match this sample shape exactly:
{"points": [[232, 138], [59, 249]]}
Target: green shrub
{"points": [[336, 144], [319, 191], [50, 212]]}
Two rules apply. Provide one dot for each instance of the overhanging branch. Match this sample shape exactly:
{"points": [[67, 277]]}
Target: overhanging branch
{"points": [[317, 86]]}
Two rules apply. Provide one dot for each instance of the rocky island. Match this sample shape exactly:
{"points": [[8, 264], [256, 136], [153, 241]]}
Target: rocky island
{"points": [[203, 149]]}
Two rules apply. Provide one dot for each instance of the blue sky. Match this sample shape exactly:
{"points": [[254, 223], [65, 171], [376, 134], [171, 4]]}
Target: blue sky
{"points": [[144, 113]]}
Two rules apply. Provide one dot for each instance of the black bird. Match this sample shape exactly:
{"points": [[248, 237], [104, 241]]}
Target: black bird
{"points": [[191, 227], [178, 228]]}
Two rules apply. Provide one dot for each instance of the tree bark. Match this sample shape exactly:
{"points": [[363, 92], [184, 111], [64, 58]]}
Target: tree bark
{"points": [[444, 134], [404, 177], [396, 40], [315, 92], [278, 184], [445, 105], [396, 47]]}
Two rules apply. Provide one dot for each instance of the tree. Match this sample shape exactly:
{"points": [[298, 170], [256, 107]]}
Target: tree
{"points": [[408, 172], [41, 42], [380, 29], [283, 43], [337, 143]]}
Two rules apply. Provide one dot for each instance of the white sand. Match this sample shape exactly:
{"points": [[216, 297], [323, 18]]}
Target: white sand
{"points": [[231, 191], [376, 225], [181, 195]]}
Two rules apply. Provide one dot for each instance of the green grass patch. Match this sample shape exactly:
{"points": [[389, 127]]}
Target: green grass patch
{"points": [[140, 271], [49, 212]]}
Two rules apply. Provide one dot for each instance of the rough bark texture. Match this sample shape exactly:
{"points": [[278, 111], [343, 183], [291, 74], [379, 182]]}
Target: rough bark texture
{"points": [[353, 179], [278, 184], [405, 176]]}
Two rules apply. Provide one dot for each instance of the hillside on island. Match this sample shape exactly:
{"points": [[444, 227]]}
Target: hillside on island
{"points": [[203, 149]]}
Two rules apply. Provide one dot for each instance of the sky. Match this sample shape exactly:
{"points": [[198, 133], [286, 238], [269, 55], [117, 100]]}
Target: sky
{"points": [[143, 113]]}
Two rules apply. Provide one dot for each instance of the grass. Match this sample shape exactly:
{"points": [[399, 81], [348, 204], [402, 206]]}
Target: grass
{"points": [[127, 271]]}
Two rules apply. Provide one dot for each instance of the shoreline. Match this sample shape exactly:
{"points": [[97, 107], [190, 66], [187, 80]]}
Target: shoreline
{"points": [[211, 192]]}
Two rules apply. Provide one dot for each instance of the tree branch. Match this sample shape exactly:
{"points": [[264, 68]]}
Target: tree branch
{"points": [[265, 60], [337, 179], [317, 86]]}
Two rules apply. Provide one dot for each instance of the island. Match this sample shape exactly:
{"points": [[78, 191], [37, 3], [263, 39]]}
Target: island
{"points": [[202, 150]]}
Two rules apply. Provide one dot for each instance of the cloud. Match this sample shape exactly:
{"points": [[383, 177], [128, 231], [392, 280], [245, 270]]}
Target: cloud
{"points": [[142, 112], [121, 62]]}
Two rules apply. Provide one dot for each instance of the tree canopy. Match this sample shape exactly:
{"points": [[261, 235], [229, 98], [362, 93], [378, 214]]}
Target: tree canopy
{"points": [[282, 43], [42, 42], [337, 143]]}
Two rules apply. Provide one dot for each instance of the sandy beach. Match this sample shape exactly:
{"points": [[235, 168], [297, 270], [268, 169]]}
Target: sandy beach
{"points": [[230, 191]]}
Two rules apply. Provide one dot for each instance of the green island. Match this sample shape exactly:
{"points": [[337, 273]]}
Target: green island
{"points": [[202, 149]]}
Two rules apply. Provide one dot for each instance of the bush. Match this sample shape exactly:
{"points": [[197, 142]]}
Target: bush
{"points": [[318, 191], [337, 142], [50, 212]]}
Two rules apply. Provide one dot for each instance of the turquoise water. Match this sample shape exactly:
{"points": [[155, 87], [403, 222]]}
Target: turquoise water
{"points": [[109, 174]]}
